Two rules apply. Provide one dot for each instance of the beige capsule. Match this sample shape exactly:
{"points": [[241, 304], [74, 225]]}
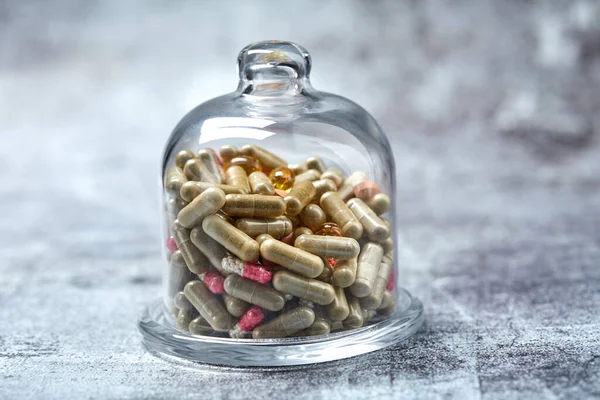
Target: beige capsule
{"points": [[194, 259], [195, 170], [308, 176], [355, 318], [199, 326], [346, 191], [181, 302], [208, 203], [334, 174], [388, 245], [192, 189], [231, 238], [344, 273], [297, 169], [261, 238], [316, 163], [174, 180], [326, 274], [380, 203], [313, 216], [297, 260], [367, 315], [266, 158], [308, 289], [227, 152], [336, 326], [209, 158], [285, 324], [320, 326], [254, 292], [323, 186], [236, 307], [338, 211], [366, 272], [182, 157], [276, 227], [175, 205], [299, 197], [253, 206], [179, 274], [209, 306], [236, 176], [373, 300], [260, 183], [184, 317], [387, 223], [373, 226], [211, 249], [301, 231], [340, 248], [338, 309], [295, 219], [388, 304]]}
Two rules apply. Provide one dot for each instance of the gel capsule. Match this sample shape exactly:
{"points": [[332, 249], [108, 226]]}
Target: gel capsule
{"points": [[276, 227], [194, 259], [209, 247], [282, 178], [355, 318], [236, 176], [260, 183], [338, 309], [374, 227], [195, 170], [191, 189], [316, 163], [329, 229], [308, 289], [231, 238], [182, 157], [208, 203], [300, 195], [208, 306], [285, 324], [313, 216], [179, 274], [236, 307], [323, 186], [341, 248], [308, 176], [380, 203], [174, 180], [253, 206], [368, 266], [267, 159], [254, 292], [247, 163], [334, 174], [344, 273], [297, 260], [209, 158], [338, 211], [373, 300]]}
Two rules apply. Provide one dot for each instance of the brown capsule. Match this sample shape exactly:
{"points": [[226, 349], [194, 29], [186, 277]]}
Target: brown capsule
{"points": [[298, 197], [338, 309], [179, 274], [253, 206], [236, 307], [194, 259], [368, 266], [346, 191], [211, 162], [301, 231], [285, 324], [254, 293], [334, 174], [295, 219], [323, 186], [181, 302], [308, 176], [304, 288], [209, 247], [282, 178], [276, 227], [313, 216], [227, 152], [199, 326], [297, 169], [182, 157], [294, 259], [316, 163], [267, 159], [327, 273], [192, 189], [341, 248], [320, 326], [174, 180], [208, 203], [380, 203], [373, 226], [344, 273], [260, 183], [236, 176], [195, 170], [355, 318], [231, 238], [261, 238], [373, 300], [209, 306], [338, 211], [329, 229], [247, 163]]}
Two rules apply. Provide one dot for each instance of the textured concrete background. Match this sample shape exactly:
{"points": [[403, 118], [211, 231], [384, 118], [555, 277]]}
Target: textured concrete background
{"points": [[492, 109]]}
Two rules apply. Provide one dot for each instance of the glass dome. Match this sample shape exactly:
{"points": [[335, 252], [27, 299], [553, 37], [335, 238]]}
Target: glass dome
{"points": [[278, 225]]}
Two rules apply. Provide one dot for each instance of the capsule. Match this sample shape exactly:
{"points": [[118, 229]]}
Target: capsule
{"points": [[175, 205], [368, 266], [297, 260], [276, 227], [210, 161], [194, 259], [366, 190], [334, 174], [260, 183], [297, 169], [373, 226], [300, 195], [344, 273], [373, 300], [213, 250], [248, 164], [341, 248], [236, 307], [208, 203], [267, 159], [227, 152], [308, 176], [195, 170], [208, 306], [389, 302], [320, 326], [388, 245], [323, 186], [367, 315], [326, 274], [253, 206], [329, 229], [236, 176], [199, 326], [346, 191], [380, 203], [179, 274], [184, 317], [338, 211], [181, 302], [387, 223], [313, 216], [191, 189], [261, 238], [182, 157], [316, 163], [338, 309], [285, 324], [174, 180], [282, 178], [308, 289], [253, 292], [355, 318], [301, 231], [231, 238]]}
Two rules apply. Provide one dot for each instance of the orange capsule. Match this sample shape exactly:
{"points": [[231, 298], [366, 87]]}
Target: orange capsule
{"points": [[329, 229], [248, 163], [282, 178]]}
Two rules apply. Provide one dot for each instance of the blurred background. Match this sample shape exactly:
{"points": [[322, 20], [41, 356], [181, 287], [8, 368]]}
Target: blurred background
{"points": [[492, 111]]}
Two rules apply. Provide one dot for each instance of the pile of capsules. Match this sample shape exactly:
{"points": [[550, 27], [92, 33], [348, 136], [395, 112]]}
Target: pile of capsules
{"points": [[265, 249]]}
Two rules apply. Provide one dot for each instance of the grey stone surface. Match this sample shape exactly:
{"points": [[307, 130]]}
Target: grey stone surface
{"points": [[499, 210]]}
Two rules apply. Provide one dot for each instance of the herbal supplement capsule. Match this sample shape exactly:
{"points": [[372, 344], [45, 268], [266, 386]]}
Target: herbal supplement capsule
{"points": [[338, 309], [334, 174], [308, 176], [297, 169], [260, 183], [231, 238], [301, 231], [195, 170], [236, 176], [323, 186], [213, 281], [175, 205], [380, 203], [320, 326], [199, 326], [227, 152], [308, 289], [338, 211], [211, 249], [313, 216], [184, 317], [387, 300], [236, 307], [294, 219], [181, 302], [247, 323], [346, 191], [329, 229], [209, 158], [368, 266], [285, 324], [366, 190], [387, 223], [367, 315], [276, 227], [316, 163], [374, 227], [373, 300], [208, 203], [191, 189], [252, 271], [209, 306], [182, 157], [388, 245], [326, 274], [174, 180], [390, 304], [341, 248], [267, 159], [300, 195], [344, 273], [336, 326], [253, 292], [355, 318], [194, 259], [282, 178], [261, 238], [247, 163], [179, 274], [253, 206], [294, 259]]}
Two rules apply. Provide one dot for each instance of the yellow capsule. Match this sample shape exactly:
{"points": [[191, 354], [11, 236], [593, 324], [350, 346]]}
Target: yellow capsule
{"points": [[208, 203], [231, 238], [338, 211], [182, 157], [338, 309], [313, 216], [329, 229], [227, 152], [380, 203], [194, 259], [301, 231], [267, 159], [174, 180], [355, 318], [297, 169], [260, 183], [236, 176], [368, 266], [191, 189], [236, 307], [299, 197], [323, 186], [308, 176], [209, 247], [340, 248], [195, 170], [285, 324], [294, 259], [179, 274], [344, 273], [304, 288], [209, 158], [247, 163], [373, 300], [334, 174], [254, 293], [316, 163], [209, 306], [282, 178], [373, 226], [253, 206], [276, 227]]}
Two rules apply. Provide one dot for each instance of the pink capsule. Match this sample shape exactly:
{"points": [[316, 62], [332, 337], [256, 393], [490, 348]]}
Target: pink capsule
{"points": [[171, 245], [366, 190], [249, 270], [213, 282], [392, 282], [251, 318]]}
